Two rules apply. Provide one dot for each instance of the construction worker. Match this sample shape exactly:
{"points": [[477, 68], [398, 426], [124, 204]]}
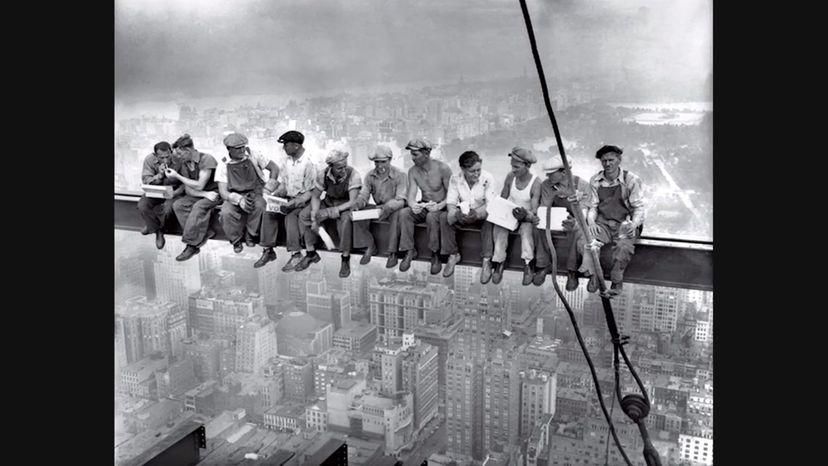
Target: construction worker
{"points": [[521, 187], [241, 181], [153, 172], [557, 192], [387, 186], [341, 184], [195, 208], [469, 192], [431, 177], [616, 215], [295, 183]]}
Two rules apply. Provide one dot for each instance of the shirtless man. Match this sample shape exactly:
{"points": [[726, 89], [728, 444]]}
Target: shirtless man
{"points": [[432, 178]]}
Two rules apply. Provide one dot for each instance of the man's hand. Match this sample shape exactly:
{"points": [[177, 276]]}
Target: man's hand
{"points": [[416, 209], [211, 195], [574, 197], [170, 173], [593, 230], [520, 213], [627, 229], [385, 212], [569, 223], [454, 217], [270, 186], [243, 204], [471, 217], [289, 204], [530, 217], [431, 207], [314, 225]]}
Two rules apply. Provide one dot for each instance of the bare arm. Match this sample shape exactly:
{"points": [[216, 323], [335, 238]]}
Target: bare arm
{"points": [[445, 179], [412, 188], [507, 183]]}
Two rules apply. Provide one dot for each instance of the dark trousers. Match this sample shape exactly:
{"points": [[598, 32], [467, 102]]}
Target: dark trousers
{"points": [[448, 236], [351, 234], [155, 212], [393, 230], [543, 257], [193, 214], [236, 222], [293, 229], [407, 221]]}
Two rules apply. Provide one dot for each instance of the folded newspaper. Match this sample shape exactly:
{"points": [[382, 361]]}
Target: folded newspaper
{"points": [[500, 213], [158, 191], [557, 216], [274, 203]]}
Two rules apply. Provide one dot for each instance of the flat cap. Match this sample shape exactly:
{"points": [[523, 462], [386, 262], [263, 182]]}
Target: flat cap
{"points": [[552, 165], [291, 136], [235, 140], [419, 143], [607, 150], [336, 156], [381, 153], [523, 155]]}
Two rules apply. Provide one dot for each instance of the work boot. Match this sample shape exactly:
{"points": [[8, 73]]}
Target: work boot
{"points": [[571, 281], [311, 257], [238, 247], [486, 271], [188, 252], [368, 254], [410, 255], [540, 276], [616, 288], [453, 260], [592, 286], [268, 255], [295, 258], [528, 272], [435, 263], [392, 261], [249, 241], [497, 274], [159, 239], [345, 268], [145, 231]]}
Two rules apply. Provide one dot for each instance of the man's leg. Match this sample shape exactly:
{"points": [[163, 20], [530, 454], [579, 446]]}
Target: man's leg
{"points": [[500, 237], [543, 258], [232, 222], [310, 238], [527, 250], [486, 250], [182, 208], [293, 238], [622, 252], [254, 218], [407, 221], [448, 244], [268, 233], [195, 229], [167, 213], [147, 206], [433, 231], [393, 238]]}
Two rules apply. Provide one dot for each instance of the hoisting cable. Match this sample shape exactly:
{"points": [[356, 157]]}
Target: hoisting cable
{"points": [[635, 406]]}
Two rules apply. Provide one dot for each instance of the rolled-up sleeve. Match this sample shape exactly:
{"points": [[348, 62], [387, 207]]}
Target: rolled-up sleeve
{"points": [[355, 182], [453, 195], [148, 171], [490, 192], [221, 173], [319, 180]]}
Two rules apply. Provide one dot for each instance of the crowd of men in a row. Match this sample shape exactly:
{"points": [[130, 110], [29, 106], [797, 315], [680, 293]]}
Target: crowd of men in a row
{"points": [[429, 193]]}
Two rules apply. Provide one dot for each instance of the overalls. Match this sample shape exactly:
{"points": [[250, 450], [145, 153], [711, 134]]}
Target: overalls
{"points": [[243, 178], [193, 213], [336, 193]]}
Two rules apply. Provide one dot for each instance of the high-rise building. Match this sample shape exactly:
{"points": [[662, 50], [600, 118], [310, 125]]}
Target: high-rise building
{"points": [[131, 278], [220, 313], [537, 398], [205, 357], [242, 266], [419, 376], [176, 379], [398, 306], [175, 281], [149, 327], [340, 399], [255, 345], [138, 378], [656, 308], [358, 337], [333, 307], [464, 276], [298, 376], [440, 337], [301, 334]]}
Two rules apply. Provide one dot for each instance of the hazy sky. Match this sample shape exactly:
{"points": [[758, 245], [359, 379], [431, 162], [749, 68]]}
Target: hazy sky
{"points": [[190, 48]]}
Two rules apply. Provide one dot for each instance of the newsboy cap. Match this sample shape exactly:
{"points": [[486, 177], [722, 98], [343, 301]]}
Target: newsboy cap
{"points": [[291, 136], [235, 140], [418, 144], [523, 155], [381, 153], [336, 156]]}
